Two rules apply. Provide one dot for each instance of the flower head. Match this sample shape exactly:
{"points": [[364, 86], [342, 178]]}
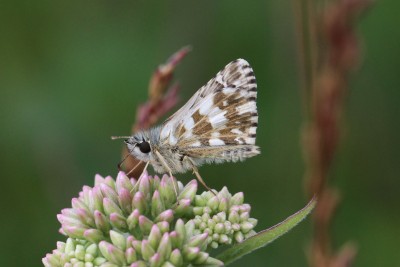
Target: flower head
{"points": [[123, 222]]}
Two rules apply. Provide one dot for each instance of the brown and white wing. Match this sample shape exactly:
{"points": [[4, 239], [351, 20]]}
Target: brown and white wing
{"points": [[222, 114]]}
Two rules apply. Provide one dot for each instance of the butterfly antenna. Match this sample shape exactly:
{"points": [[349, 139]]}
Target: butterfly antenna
{"points": [[120, 137]]}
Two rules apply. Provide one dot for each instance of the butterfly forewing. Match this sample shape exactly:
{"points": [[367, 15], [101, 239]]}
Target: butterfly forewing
{"points": [[220, 120]]}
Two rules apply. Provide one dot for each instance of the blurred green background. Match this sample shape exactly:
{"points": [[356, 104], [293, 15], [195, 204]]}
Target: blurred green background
{"points": [[72, 74]]}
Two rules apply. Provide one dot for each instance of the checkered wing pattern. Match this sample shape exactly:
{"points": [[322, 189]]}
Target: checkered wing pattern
{"points": [[220, 121]]}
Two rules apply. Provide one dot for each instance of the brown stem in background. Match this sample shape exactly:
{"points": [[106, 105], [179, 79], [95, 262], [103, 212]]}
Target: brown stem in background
{"points": [[329, 51], [162, 98]]}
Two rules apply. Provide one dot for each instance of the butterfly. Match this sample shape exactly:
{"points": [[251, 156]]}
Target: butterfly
{"points": [[218, 124]]}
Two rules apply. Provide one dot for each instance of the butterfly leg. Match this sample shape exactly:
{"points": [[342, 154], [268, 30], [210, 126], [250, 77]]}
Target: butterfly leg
{"points": [[140, 177], [165, 165], [196, 172]]}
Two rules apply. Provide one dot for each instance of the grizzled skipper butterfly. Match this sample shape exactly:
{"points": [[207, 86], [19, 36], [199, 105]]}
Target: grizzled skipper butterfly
{"points": [[218, 124]]}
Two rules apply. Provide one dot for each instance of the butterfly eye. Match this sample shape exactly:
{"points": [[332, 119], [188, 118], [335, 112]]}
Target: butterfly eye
{"points": [[144, 147]]}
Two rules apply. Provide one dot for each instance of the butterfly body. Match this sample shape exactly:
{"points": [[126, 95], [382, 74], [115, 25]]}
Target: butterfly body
{"points": [[218, 124], [175, 156]]}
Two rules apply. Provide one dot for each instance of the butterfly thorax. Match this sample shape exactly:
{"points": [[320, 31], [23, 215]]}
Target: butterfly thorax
{"points": [[170, 154]]}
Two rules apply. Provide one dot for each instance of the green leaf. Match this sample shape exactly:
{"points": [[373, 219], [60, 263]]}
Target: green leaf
{"points": [[265, 237]]}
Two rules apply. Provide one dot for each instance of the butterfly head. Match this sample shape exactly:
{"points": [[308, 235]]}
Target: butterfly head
{"points": [[139, 146]]}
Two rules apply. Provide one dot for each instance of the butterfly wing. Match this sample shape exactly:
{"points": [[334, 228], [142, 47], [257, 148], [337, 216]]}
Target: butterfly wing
{"points": [[220, 119]]}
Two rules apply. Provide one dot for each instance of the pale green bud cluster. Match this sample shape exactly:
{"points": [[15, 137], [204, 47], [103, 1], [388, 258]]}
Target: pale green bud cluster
{"points": [[176, 248], [79, 253], [225, 218], [124, 223]]}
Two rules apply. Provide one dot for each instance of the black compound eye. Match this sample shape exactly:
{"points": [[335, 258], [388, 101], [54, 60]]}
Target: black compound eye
{"points": [[144, 147]]}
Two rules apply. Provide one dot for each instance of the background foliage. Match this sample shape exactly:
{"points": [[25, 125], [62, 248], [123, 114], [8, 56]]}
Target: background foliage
{"points": [[72, 73]]}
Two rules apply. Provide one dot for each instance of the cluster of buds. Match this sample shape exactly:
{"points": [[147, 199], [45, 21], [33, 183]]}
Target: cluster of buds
{"points": [[125, 222], [160, 248], [224, 218]]}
